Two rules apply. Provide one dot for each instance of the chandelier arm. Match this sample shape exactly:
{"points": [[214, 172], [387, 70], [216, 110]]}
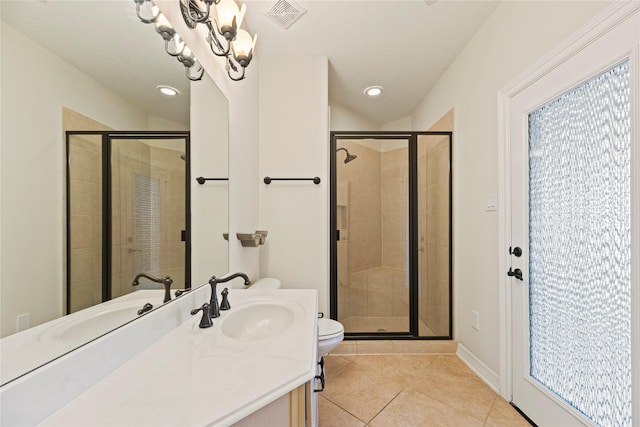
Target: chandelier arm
{"points": [[192, 14], [145, 20], [197, 76], [169, 51], [215, 44], [231, 66], [198, 15]]}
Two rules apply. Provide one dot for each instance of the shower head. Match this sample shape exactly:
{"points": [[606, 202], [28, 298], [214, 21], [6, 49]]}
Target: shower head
{"points": [[183, 156], [349, 156]]}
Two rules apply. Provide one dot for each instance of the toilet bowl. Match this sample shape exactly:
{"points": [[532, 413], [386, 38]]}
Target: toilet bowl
{"points": [[266, 283], [330, 334]]}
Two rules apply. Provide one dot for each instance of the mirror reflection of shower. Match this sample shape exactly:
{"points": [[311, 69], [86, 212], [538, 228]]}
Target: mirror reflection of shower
{"points": [[349, 156]]}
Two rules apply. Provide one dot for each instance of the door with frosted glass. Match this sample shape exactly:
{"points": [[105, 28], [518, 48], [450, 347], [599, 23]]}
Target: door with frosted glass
{"points": [[571, 215]]}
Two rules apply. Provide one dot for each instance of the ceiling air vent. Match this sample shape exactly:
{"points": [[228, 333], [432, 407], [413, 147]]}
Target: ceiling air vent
{"points": [[285, 13]]}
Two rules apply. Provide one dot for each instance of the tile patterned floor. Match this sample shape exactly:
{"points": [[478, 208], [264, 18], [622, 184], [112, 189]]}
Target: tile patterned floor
{"points": [[409, 390]]}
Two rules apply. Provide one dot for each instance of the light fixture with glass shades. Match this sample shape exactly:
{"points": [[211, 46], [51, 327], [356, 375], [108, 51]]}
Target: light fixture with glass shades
{"points": [[225, 37], [149, 13]]}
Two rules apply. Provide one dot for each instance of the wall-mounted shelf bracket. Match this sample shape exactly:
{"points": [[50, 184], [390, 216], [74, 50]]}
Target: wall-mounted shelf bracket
{"points": [[252, 240]]}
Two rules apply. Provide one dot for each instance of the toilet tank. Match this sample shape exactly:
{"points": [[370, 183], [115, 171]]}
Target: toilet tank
{"points": [[266, 283]]}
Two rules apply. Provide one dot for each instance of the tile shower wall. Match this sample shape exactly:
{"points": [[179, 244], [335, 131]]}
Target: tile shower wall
{"points": [[433, 224], [85, 173], [395, 191], [86, 221]]}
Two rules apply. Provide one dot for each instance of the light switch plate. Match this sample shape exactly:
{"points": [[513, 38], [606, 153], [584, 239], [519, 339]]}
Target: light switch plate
{"points": [[492, 202], [23, 321], [475, 321]]}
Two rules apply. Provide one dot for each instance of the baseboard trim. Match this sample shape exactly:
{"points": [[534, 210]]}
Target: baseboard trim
{"points": [[485, 373]]}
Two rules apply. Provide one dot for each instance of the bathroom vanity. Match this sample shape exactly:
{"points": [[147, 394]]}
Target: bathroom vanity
{"points": [[254, 364]]}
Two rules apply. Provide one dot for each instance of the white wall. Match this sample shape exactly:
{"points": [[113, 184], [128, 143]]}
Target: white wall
{"points": [[243, 141], [345, 119], [159, 123], [294, 142], [399, 125], [209, 201], [35, 87], [514, 37]]}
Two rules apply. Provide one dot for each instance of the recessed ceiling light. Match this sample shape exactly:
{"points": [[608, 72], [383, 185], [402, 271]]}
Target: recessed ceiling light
{"points": [[168, 90], [373, 91]]}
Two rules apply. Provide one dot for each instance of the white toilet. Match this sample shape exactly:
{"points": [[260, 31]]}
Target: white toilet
{"points": [[266, 283], [330, 334]]}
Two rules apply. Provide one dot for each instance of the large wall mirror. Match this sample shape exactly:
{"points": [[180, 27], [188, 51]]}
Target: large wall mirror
{"points": [[89, 66]]}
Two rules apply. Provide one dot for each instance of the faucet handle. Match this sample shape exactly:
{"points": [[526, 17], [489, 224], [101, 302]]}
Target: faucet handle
{"points": [[206, 321], [145, 308], [180, 292], [224, 304]]}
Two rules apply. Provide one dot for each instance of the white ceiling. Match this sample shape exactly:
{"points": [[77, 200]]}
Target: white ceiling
{"points": [[403, 46]]}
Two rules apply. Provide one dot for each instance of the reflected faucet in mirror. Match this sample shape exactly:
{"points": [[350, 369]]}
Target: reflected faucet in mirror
{"points": [[166, 281]]}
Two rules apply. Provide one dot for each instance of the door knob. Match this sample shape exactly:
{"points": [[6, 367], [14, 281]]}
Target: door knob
{"points": [[517, 273], [515, 251]]}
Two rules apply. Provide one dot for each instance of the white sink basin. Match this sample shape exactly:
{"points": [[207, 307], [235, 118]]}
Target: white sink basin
{"points": [[260, 320], [93, 322]]}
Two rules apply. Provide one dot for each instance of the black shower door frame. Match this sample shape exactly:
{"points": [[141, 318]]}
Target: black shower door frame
{"points": [[412, 139], [107, 137]]}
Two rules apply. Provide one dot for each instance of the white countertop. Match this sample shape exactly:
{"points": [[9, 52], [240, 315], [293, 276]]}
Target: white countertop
{"points": [[34, 347], [194, 376]]}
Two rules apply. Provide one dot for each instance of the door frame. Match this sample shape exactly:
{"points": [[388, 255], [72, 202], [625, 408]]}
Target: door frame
{"points": [[601, 24]]}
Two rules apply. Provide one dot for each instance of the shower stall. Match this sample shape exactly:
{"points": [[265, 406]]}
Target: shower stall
{"points": [[127, 213], [391, 234]]}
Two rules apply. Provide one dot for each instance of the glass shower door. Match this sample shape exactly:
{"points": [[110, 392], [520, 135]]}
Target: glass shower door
{"points": [[372, 211], [148, 212]]}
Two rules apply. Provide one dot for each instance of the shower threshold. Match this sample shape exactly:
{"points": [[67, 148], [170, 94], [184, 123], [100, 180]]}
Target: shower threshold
{"points": [[366, 324]]}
